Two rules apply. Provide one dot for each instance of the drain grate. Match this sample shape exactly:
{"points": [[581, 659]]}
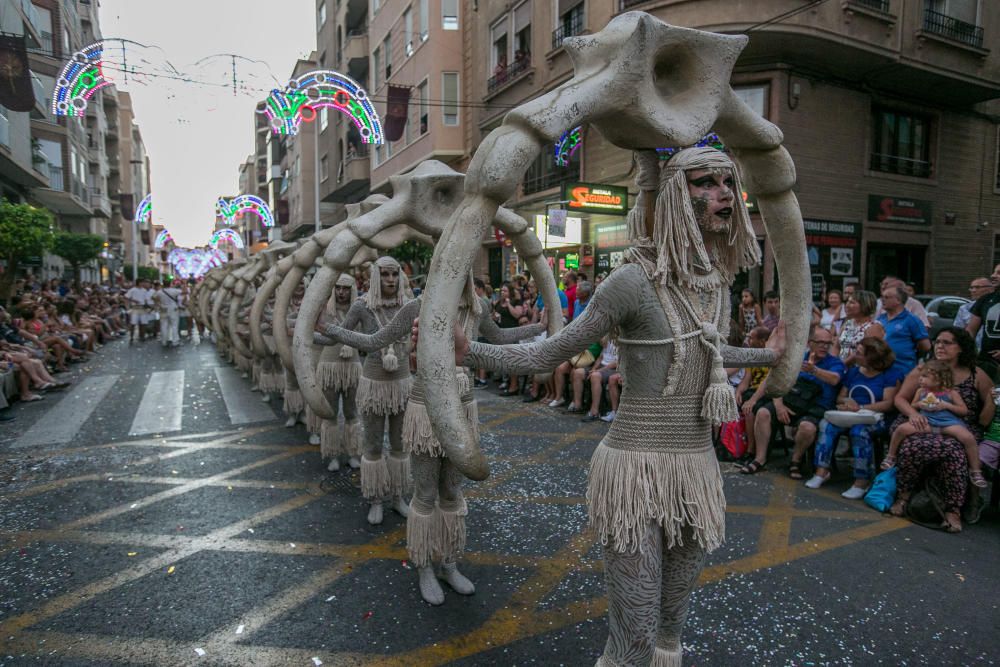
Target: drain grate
{"points": [[341, 482]]}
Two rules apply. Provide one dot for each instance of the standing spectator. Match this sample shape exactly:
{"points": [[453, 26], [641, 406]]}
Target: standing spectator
{"points": [[832, 317], [905, 334], [772, 310], [858, 325], [978, 288], [749, 313], [986, 311], [869, 385], [569, 280], [816, 389], [509, 311], [849, 290]]}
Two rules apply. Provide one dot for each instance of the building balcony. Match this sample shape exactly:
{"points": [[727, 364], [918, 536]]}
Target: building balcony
{"points": [[72, 201], [100, 202], [19, 169], [505, 76], [41, 110], [355, 53], [952, 28], [876, 5], [32, 24], [571, 28], [353, 176]]}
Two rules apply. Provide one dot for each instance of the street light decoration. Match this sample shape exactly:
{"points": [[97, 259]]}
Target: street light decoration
{"points": [[80, 78], [195, 262], [710, 140], [229, 210], [226, 235], [144, 212], [162, 239], [568, 144], [303, 97]]}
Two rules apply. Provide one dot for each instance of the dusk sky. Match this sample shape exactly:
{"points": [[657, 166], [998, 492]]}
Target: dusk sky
{"points": [[197, 134]]}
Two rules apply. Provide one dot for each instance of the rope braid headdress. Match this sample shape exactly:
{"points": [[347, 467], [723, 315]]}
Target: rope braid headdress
{"points": [[345, 280], [374, 300]]}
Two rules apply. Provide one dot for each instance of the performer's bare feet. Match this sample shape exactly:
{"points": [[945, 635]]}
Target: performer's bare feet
{"points": [[375, 513], [430, 589]]}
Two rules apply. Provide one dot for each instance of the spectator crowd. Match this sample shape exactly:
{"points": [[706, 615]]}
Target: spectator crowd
{"points": [[872, 384]]}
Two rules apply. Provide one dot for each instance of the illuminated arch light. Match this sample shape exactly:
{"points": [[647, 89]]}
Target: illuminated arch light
{"points": [[195, 262], [80, 78], [162, 239], [144, 213], [303, 97], [226, 235], [710, 140], [568, 144], [229, 210]]}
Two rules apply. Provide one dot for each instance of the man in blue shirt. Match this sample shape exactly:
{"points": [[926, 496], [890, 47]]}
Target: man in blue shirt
{"points": [[822, 370], [904, 332], [583, 292]]}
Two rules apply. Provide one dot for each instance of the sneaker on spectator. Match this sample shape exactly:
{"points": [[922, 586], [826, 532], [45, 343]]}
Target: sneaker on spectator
{"points": [[574, 409], [555, 403], [590, 418], [855, 493], [610, 417], [817, 481]]}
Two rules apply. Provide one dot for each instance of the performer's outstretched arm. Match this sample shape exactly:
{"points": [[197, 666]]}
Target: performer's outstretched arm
{"points": [[397, 328]]}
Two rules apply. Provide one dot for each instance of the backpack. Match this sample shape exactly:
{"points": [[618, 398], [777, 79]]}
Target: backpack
{"points": [[926, 506]]}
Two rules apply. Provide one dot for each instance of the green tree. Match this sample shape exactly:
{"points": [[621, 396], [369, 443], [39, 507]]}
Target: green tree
{"points": [[417, 254], [147, 272], [77, 249], [25, 231]]}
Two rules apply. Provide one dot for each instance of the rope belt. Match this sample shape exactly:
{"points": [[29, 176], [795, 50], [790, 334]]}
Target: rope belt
{"points": [[418, 395], [660, 424], [373, 371]]}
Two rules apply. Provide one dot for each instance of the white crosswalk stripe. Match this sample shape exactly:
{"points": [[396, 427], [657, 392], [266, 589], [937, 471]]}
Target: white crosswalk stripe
{"points": [[243, 405], [162, 404], [61, 424]]}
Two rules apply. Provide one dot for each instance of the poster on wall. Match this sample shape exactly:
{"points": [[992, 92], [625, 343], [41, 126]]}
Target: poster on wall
{"points": [[841, 261]]}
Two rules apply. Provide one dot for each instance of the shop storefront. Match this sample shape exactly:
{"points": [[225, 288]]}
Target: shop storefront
{"points": [[897, 238]]}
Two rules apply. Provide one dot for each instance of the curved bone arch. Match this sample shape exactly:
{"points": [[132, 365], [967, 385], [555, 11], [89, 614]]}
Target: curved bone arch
{"points": [[643, 84], [422, 200]]}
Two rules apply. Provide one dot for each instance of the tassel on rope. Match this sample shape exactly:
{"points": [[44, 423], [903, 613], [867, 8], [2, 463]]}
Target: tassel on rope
{"points": [[390, 363], [346, 352], [719, 405]]}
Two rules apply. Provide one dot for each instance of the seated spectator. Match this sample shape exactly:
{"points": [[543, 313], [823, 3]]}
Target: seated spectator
{"points": [[978, 288], [904, 333], [934, 455], [614, 394], [598, 375], [871, 384], [814, 393], [859, 324], [911, 305], [750, 390]]}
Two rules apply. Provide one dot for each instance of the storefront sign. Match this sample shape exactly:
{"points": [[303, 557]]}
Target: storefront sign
{"points": [[751, 203], [557, 222], [832, 234], [893, 209], [596, 198], [572, 260], [572, 234]]}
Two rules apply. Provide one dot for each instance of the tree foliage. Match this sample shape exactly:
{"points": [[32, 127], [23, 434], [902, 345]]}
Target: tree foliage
{"points": [[77, 249], [417, 254], [25, 231]]}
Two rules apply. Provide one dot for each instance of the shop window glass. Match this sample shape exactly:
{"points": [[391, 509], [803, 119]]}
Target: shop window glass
{"points": [[755, 97], [543, 173]]}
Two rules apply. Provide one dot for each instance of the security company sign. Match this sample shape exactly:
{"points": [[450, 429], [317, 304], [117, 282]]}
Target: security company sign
{"points": [[596, 198]]}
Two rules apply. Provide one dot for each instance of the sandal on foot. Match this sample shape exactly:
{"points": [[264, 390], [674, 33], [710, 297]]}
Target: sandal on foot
{"points": [[795, 470], [976, 476], [951, 527], [898, 508], [888, 462], [752, 468]]}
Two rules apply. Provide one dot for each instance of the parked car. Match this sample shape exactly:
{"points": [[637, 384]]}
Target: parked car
{"points": [[941, 310]]}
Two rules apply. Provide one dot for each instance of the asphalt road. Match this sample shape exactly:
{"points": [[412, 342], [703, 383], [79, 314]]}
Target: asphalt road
{"points": [[213, 535]]}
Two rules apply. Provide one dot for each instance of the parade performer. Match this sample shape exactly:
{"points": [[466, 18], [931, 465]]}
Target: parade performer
{"points": [[382, 390], [655, 492], [339, 371], [435, 527]]}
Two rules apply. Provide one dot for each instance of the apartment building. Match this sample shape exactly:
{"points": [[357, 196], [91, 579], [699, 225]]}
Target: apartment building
{"points": [[130, 177], [888, 107]]}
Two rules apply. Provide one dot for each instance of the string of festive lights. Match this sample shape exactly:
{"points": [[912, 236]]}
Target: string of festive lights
{"points": [[195, 262], [568, 144], [229, 210], [710, 140], [227, 235], [79, 79], [162, 239], [144, 212], [302, 97]]}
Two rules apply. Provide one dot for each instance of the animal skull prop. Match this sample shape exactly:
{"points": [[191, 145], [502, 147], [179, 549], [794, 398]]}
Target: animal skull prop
{"points": [[643, 84]]}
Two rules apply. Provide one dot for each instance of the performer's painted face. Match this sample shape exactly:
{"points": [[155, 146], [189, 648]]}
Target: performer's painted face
{"points": [[343, 294], [712, 198], [390, 281]]}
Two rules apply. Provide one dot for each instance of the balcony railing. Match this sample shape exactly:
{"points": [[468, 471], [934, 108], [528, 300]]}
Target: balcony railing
{"points": [[356, 152], [895, 164], [508, 73], [571, 27], [953, 28]]}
